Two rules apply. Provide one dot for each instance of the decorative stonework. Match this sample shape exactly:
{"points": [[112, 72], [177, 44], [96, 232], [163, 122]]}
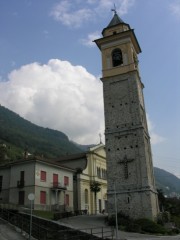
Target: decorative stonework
{"points": [[125, 162]]}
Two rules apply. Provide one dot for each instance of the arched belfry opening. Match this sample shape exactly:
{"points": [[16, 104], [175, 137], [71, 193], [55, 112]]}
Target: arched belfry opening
{"points": [[117, 58]]}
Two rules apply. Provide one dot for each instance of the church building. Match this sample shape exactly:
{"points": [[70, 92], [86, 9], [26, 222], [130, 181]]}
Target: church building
{"points": [[128, 151]]}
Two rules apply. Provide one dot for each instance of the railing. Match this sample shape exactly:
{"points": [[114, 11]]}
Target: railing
{"points": [[26, 208], [47, 230], [58, 185], [20, 184]]}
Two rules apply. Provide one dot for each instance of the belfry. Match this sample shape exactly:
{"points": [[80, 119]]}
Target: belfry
{"points": [[129, 160]]}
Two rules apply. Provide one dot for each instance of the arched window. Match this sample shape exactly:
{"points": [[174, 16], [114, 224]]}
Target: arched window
{"points": [[86, 196], [117, 57]]}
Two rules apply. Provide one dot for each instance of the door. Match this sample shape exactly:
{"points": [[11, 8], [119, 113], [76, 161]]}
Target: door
{"points": [[21, 197], [100, 207], [55, 180]]}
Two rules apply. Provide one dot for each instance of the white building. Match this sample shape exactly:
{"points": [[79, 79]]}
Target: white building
{"points": [[51, 183], [90, 167]]}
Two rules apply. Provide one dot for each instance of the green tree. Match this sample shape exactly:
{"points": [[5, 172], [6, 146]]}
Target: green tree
{"points": [[161, 199], [95, 188], [3, 153]]}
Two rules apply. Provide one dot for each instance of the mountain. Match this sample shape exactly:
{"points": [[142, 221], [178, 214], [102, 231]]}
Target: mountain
{"points": [[169, 183], [20, 135]]}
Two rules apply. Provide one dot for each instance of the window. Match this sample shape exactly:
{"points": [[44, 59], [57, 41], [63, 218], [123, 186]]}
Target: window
{"points": [[117, 57], [98, 172], [66, 181], [86, 196], [43, 176], [104, 174], [43, 197], [1, 181], [22, 176], [67, 199]]}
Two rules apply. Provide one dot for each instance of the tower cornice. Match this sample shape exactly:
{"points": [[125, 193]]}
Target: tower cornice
{"points": [[121, 35]]}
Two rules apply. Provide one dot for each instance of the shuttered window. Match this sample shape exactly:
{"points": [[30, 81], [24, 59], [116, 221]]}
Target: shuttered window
{"points": [[66, 181], [43, 197], [43, 176]]}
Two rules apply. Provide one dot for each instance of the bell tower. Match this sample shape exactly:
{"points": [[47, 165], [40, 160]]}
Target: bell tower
{"points": [[128, 150]]}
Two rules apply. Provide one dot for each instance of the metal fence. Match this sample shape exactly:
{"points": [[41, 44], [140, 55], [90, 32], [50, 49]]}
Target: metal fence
{"points": [[48, 230]]}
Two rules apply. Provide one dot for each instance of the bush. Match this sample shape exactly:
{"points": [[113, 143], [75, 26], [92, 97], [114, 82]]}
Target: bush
{"points": [[133, 227], [176, 220], [150, 226], [163, 217], [141, 225]]}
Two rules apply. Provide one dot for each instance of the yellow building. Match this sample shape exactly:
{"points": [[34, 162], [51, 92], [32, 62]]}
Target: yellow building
{"points": [[90, 172]]}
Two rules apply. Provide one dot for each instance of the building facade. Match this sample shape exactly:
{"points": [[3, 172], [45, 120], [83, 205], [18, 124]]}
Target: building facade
{"points": [[128, 150], [90, 168], [51, 184]]}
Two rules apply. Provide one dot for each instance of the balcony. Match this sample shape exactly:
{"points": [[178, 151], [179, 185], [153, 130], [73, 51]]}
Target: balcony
{"points": [[58, 185], [20, 184]]}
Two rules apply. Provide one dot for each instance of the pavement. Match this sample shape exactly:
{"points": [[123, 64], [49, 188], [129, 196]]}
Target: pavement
{"points": [[86, 222], [10, 232]]}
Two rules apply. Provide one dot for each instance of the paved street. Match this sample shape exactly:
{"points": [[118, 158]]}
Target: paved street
{"points": [[8, 232], [84, 222]]}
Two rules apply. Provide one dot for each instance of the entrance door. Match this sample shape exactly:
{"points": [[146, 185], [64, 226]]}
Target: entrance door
{"points": [[105, 205], [100, 207], [21, 197], [55, 180]]}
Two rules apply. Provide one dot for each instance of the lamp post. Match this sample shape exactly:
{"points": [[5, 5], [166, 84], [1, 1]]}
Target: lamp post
{"points": [[115, 204], [31, 198]]}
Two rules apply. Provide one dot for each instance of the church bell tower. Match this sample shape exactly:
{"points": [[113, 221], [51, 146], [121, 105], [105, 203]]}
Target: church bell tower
{"points": [[128, 150]]}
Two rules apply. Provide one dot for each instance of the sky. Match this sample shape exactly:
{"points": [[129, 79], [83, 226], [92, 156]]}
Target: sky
{"points": [[50, 68]]}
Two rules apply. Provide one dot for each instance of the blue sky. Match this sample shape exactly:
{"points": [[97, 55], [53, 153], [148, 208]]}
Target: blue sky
{"points": [[50, 68]]}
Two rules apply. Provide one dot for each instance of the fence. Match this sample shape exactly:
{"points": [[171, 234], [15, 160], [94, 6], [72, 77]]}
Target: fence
{"points": [[48, 230], [55, 207]]}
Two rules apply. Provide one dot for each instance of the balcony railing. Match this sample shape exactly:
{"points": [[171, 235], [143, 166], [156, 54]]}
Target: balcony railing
{"points": [[20, 184], [58, 185]]}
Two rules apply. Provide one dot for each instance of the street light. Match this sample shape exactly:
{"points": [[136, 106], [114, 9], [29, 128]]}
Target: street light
{"points": [[31, 198], [115, 203]]}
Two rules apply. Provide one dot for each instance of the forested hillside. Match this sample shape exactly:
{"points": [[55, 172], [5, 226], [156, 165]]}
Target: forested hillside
{"points": [[166, 181], [20, 135]]}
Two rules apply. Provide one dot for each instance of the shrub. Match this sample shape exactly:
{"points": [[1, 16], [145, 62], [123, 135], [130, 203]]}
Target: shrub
{"points": [[176, 220], [150, 226], [133, 227]]}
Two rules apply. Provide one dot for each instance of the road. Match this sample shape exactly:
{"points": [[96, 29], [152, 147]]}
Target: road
{"points": [[85, 222], [8, 232]]}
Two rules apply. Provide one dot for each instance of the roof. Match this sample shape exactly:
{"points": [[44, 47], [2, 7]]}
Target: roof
{"points": [[71, 157], [101, 145], [37, 159], [115, 20]]}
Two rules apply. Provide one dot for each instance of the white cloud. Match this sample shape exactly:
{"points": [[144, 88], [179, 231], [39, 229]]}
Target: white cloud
{"points": [[57, 95], [65, 13], [122, 6], [175, 8], [155, 138], [60, 96], [89, 40], [80, 11]]}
